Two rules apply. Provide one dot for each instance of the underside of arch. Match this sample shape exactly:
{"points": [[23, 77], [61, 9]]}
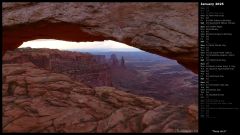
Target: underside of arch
{"points": [[14, 36]]}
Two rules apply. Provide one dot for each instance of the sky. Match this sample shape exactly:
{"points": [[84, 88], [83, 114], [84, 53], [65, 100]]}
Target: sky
{"points": [[102, 46]]}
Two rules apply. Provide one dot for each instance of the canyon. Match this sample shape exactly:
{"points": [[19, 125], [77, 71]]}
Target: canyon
{"points": [[40, 96], [138, 73]]}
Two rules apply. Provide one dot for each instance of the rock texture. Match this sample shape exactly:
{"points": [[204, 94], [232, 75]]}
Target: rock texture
{"points": [[36, 100], [93, 70], [167, 29]]}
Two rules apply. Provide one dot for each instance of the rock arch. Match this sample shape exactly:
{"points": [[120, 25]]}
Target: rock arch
{"points": [[167, 29]]}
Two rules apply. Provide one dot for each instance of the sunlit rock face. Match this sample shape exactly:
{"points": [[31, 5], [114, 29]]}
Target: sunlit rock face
{"points": [[167, 29]]}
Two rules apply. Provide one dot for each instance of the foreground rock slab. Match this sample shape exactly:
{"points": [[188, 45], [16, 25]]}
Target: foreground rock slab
{"points": [[37, 100]]}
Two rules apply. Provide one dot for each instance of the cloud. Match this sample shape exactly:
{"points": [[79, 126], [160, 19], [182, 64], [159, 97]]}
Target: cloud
{"points": [[65, 45]]}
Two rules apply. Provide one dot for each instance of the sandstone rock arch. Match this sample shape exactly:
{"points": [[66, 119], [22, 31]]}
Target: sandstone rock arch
{"points": [[167, 29]]}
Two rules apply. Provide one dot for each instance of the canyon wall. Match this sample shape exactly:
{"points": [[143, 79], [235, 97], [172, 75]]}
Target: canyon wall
{"points": [[167, 29], [93, 70]]}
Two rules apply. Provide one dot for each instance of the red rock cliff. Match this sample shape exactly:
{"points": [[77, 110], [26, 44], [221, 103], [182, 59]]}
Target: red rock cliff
{"points": [[90, 69]]}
